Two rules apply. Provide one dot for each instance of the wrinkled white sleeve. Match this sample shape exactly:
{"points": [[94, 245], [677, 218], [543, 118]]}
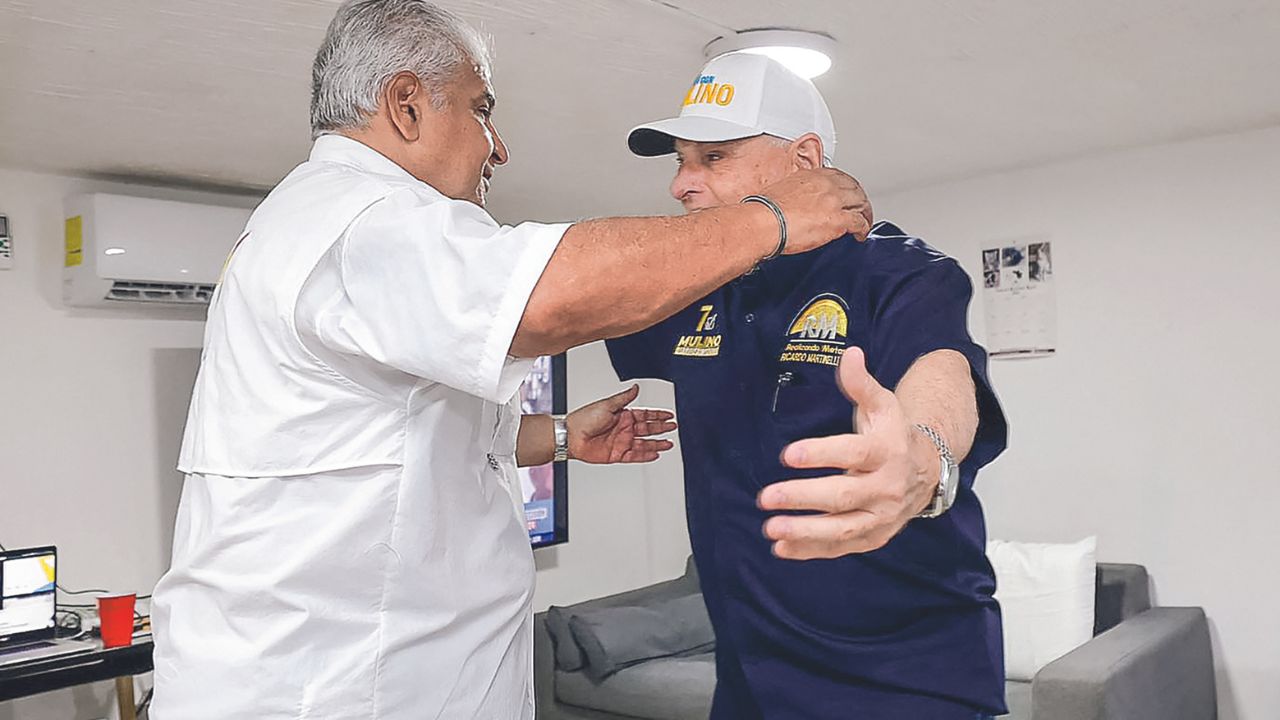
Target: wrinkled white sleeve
{"points": [[436, 288]]}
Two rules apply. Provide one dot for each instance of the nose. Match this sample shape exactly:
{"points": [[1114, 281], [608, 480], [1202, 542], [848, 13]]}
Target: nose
{"points": [[686, 183], [500, 153]]}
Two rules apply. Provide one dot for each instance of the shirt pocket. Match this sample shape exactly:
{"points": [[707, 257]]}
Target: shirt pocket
{"points": [[808, 406]]}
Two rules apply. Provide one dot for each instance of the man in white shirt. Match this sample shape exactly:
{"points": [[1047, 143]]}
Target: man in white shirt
{"points": [[348, 543]]}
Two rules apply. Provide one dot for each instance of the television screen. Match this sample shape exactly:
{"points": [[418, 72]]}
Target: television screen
{"points": [[545, 487]]}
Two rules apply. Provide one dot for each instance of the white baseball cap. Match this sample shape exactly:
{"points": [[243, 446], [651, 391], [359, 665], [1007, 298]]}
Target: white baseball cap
{"points": [[741, 95]]}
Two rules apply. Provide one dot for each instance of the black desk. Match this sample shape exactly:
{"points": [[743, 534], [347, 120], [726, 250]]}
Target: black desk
{"points": [[38, 676]]}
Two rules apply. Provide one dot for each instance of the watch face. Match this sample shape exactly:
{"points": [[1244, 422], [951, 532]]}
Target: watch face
{"points": [[953, 483]]}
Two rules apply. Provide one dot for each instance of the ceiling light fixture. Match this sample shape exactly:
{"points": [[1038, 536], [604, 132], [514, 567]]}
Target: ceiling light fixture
{"points": [[807, 54]]}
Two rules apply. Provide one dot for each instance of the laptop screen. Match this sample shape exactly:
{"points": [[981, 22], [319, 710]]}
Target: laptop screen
{"points": [[27, 599]]}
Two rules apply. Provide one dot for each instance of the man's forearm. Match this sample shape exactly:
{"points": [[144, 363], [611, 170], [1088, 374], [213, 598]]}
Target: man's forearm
{"points": [[617, 276], [536, 442], [938, 391]]}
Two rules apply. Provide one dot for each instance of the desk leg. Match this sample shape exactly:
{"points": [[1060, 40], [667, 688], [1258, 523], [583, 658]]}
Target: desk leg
{"points": [[124, 698]]}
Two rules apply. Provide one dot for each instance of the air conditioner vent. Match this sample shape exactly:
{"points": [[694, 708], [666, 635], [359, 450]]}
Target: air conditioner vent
{"points": [[154, 292]]}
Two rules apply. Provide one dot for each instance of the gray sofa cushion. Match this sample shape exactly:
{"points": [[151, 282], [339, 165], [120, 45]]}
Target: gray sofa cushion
{"points": [[568, 654], [614, 638], [1156, 666], [1017, 696], [678, 688]]}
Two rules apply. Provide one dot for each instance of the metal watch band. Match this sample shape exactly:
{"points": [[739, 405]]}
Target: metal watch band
{"points": [[562, 438], [941, 496]]}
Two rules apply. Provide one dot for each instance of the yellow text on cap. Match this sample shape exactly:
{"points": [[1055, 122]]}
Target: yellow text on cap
{"points": [[706, 91]]}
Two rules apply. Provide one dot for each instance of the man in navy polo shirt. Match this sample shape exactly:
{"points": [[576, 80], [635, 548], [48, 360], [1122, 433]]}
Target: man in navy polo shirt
{"points": [[845, 574]]}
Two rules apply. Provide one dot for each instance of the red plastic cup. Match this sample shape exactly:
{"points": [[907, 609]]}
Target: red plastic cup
{"points": [[115, 612]]}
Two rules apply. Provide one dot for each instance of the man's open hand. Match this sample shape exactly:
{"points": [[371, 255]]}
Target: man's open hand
{"points": [[607, 431], [885, 477]]}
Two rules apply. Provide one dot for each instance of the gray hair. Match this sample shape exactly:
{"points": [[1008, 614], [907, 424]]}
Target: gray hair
{"points": [[369, 41]]}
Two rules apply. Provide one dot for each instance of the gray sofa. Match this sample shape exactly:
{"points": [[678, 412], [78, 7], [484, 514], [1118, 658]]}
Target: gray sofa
{"points": [[1144, 663]]}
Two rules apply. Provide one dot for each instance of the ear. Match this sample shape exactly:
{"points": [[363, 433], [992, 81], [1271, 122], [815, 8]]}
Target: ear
{"points": [[807, 151], [405, 98]]}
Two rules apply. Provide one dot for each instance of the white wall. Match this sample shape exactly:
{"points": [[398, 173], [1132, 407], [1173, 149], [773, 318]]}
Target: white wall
{"points": [[1155, 426]]}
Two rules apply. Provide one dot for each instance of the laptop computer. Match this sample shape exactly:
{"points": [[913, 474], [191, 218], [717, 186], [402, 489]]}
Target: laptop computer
{"points": [[28, 608]]}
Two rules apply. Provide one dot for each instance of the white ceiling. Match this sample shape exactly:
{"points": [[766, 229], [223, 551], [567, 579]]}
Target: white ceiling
{"points": [[216, 91]]}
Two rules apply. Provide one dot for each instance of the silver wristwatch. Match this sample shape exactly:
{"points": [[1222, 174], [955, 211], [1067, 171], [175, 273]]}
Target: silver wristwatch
{"points": [[562, 438], [949, 482]]}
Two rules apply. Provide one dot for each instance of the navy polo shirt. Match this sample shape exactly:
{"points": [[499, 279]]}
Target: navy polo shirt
{"points": [[908, 631]]}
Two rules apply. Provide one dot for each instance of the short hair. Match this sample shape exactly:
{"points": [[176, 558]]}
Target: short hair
{"points": [[369, 41]]}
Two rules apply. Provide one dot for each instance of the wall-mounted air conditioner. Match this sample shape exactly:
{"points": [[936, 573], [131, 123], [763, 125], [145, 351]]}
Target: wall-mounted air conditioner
{"points": [[130, 249]]}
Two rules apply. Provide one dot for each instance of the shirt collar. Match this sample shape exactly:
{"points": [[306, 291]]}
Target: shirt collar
{"points": [[777, 277], [342, 149], [780, 275]]}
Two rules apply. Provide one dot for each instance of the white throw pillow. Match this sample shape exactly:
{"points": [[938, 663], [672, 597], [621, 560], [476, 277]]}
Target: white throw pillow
{"points": [[1046, 593]]}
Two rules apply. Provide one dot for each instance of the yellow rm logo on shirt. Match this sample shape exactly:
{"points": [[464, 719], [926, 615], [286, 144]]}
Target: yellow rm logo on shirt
{"points": [[819, 333]]}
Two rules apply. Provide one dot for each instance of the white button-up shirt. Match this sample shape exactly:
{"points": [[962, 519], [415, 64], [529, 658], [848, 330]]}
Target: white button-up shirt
{"points": [[345, 547]]}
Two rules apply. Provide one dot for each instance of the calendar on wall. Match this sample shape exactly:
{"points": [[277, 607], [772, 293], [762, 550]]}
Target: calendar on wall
{"points": [[1019, 301]]}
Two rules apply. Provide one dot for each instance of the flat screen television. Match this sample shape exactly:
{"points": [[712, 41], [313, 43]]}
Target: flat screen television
{"points": [[545, 487]]}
